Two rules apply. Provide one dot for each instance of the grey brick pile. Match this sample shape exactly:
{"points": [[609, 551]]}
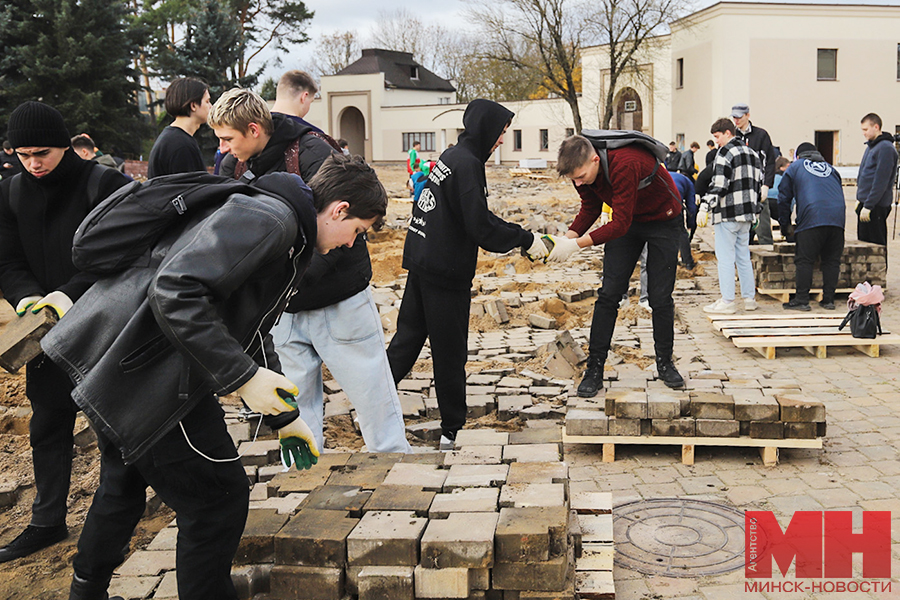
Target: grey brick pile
{"points": [[713, 405], [861, 261]]}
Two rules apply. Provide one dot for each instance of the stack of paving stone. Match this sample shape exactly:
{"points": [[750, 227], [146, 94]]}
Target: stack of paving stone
{"points": [[861, 261], [713, 405], [489, 520]]}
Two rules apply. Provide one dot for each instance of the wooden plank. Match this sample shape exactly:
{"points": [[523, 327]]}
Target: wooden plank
{"points": [[609, 452], [766, 317], [811, 340], [651, 440], [773, 331], [767, 353], [794, 290], [869, 349], [773, 323], [687, 454], [817, 351], [769, 455]]}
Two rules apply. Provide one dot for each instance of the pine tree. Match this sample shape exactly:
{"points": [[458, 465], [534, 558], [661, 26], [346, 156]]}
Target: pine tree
{"points": [[75, 55]]}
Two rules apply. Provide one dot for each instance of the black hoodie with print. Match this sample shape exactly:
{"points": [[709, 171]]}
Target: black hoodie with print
{"points": [[451, 219]]}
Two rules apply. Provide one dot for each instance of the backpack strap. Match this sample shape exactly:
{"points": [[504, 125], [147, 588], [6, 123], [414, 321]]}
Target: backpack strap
{"points": [[93, 188]]}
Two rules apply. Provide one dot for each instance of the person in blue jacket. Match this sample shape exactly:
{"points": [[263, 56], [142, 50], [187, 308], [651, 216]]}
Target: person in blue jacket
{"points": [[685, 187], [819, 232]]}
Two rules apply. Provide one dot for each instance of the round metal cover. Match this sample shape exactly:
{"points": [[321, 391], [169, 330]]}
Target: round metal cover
{"points": [[678, 537]]}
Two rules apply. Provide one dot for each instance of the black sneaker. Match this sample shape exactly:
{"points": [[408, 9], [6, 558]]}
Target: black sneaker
{"points": [[592, 382], [827, 305], [668, 373], [794, 305], [31, 540], [89, 590]]}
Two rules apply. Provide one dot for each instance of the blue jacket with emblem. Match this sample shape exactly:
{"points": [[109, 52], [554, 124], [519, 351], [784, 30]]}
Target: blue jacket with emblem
{"points": [[816, 186]]}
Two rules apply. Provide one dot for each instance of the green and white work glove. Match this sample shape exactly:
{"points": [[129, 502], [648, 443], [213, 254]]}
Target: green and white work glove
{"points": [[58, 301], [298, 446], [538, 249], [26, 303]]}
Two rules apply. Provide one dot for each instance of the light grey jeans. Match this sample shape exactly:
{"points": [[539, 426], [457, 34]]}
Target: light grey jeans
{"points": [[349, 338]]}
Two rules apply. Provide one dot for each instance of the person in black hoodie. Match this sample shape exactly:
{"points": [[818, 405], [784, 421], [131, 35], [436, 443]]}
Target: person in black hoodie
{"points": [[450, 221], [333, 317], [40, 209]]}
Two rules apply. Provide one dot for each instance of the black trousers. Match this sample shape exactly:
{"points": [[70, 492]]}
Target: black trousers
{"points": [[49, 390], [210, 501], [875, 231], [687, 234], [827, 244], [621, 256], [442, 315]]}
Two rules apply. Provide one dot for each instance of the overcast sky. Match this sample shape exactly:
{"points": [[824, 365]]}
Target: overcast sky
{"points": [[362, 15]]}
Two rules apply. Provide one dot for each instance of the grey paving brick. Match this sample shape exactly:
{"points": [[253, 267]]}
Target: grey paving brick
{"points": [[314, 538], [464, 500], [386, 539], [461, 540]]}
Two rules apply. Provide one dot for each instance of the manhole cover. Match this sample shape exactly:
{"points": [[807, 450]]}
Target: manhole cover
{"points": [[679, 538]]}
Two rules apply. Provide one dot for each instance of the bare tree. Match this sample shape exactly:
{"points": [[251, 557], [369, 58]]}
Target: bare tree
{"points": [[541, 38], [400, 30], [629, 27], [335, 51]]}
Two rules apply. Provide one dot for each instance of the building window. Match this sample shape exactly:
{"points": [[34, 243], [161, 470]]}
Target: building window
{"points": [[679, 73], [545, 139], [414, 72], [569, 132], [444, 100], [517, 139], [826, 66], [427, 140]]}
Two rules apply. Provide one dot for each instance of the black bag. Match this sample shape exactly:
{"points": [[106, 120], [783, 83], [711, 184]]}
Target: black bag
{"points": [[132, 220], [604, 139], [864, 322]]}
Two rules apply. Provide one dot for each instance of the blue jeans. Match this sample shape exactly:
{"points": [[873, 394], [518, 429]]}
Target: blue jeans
{"points": [[733, 248], [349, 338]]}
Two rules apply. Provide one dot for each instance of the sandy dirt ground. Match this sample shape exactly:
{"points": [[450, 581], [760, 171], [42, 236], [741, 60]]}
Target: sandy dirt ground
{"points": [[46, 575]]}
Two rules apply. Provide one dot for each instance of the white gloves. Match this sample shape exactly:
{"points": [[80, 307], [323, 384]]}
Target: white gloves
{"points": [[538, 248], [604, 218], [58, 301], [26, 303], [764, 193], [261, 392], [865, 215], [563, 248], [703, 215]]}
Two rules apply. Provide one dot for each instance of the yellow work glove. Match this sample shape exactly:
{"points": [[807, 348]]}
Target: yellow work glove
{"points": [[26, 303], [58, 301], [261, 393], [298, 446]]}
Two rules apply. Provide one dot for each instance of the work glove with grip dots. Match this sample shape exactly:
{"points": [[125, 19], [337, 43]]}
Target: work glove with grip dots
{"points": [[26, 303], [268, 392], [298, 446], [540, 247], [563, 248], [56, 301]]}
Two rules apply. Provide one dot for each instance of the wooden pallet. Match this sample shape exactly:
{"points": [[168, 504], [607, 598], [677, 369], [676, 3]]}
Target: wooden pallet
{"points": [[783, 295], [768, 449], [813, 333]]}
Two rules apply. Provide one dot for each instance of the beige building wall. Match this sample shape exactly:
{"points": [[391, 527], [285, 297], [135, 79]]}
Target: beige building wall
{"points": [[766, 55]]}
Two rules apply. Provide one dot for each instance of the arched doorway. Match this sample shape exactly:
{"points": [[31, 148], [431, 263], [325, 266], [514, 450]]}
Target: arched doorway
{"points": [[353, 129], [629, 110]]}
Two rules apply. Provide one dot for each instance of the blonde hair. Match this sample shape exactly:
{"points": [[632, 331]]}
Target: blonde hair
{"points": [[237, 108]]}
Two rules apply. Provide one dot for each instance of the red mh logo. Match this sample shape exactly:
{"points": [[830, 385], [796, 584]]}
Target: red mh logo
{"points": [[822, 543]]}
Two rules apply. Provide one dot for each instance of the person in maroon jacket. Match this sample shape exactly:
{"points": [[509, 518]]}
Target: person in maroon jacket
{"points": [[650, 215]]}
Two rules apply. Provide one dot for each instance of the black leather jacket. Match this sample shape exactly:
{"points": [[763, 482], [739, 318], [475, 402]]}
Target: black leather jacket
{"points": [[205, 297]]}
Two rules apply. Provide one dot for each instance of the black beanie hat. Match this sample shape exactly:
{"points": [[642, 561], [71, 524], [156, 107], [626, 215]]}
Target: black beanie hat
{"points": [[806, 147], [35, 124]]}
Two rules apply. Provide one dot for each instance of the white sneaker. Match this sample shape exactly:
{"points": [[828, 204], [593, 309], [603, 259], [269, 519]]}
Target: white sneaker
{"points": [[623, 301], [750, 304], [720, 307], [447, 444], [645, 304]]}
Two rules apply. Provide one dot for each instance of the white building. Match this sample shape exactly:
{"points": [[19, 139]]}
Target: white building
{"points": [[808, 71]]}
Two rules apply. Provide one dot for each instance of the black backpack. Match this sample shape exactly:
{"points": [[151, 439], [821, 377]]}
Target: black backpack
{"points": [[131, 221], [610, 139]]}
